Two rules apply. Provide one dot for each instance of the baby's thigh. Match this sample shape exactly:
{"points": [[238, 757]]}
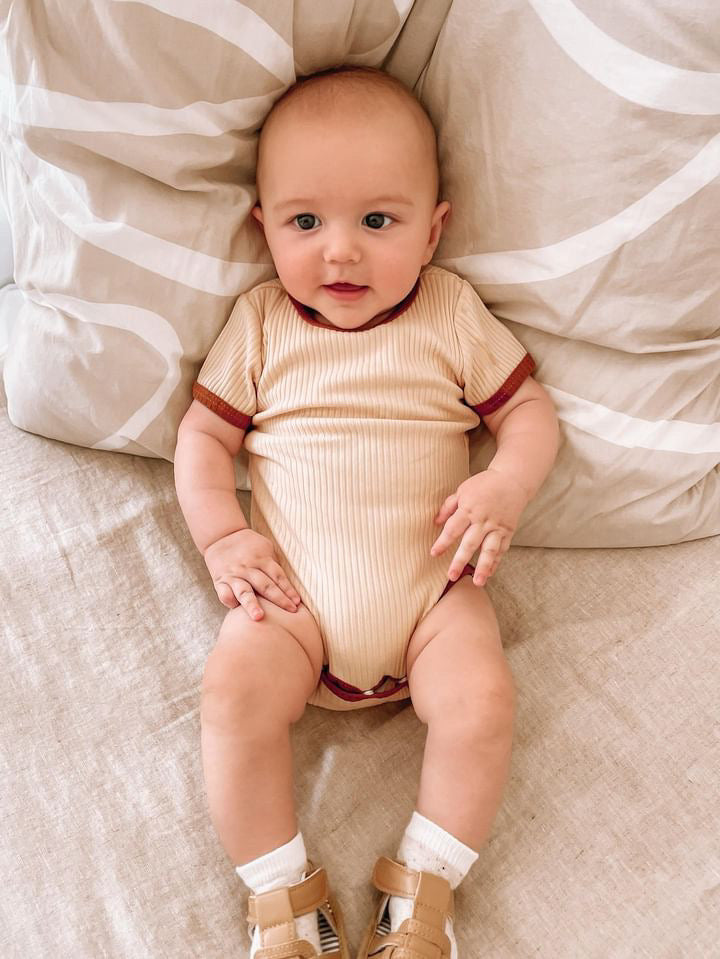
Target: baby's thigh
{"points": [[455, 657], [268, 665]]}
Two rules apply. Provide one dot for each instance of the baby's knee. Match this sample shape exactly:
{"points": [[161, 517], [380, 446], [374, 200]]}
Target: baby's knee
{"points": [[246, 683], [481, 707], [232, 693], [495, 714]]}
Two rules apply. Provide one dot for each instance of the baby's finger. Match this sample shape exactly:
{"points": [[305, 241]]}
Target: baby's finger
{"points": [[463, 555], [447, 508], [226, 595], [265, 586], [285, 585], [489, 558], [454, 527], [248, 600], [272, 591], [481, 577]]}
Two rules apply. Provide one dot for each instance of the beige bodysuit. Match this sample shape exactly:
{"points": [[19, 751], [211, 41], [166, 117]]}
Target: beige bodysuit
{"points": [[355, 439]]}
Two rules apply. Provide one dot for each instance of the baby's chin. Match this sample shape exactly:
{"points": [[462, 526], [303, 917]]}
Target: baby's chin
{"points": [[346, 322], [351, 319], [349, 312]]}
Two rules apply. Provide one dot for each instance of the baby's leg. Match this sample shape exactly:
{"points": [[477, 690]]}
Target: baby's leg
{"points": [[257, 681], [461, 686]]}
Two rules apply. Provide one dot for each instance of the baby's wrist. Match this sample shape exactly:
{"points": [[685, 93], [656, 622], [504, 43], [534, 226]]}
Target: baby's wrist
{"points": [[234, 532], [513, 480]]}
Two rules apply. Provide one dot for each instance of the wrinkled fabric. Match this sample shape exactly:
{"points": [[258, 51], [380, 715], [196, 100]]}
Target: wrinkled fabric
{"points": [[579, 150], [107, 617]]}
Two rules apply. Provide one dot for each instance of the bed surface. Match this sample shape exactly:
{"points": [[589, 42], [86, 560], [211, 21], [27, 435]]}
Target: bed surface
{"points": [[606, 846], [581, 156]]}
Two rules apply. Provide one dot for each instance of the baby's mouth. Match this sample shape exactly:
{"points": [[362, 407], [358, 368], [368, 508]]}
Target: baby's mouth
{"points": [[345, 291]]}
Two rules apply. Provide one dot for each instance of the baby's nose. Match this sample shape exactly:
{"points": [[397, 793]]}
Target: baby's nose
{"points": [[341, 246]]}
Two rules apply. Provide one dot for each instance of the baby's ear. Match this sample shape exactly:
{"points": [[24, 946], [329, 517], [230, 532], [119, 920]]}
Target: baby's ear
{"points": [[439, 219], [257, 214], [443, 212]]}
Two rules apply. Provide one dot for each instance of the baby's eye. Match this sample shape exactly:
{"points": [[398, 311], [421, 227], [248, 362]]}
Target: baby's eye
{"points": [[375, 220], [306, 221]]}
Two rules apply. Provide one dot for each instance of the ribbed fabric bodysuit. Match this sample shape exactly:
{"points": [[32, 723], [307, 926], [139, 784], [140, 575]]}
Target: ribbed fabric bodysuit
{"points": [[357, 438]]}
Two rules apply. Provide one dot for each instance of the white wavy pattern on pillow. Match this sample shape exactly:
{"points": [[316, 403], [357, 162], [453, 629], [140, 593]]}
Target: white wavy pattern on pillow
{"points": [[37, 107], [612, 426], [200, 271], [61, 193], [149, 326], [657, 85], [236, 23], [566, 256], [629, 74]]}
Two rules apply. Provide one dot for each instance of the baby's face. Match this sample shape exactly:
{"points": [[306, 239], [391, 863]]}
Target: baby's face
{"points": [[349, 211]]}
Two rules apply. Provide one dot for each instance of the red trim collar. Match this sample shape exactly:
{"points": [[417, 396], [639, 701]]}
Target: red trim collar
{"points": [[309, 315]]}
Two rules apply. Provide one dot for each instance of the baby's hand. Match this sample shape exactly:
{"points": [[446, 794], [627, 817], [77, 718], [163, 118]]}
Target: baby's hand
{"points": [[243, 564], [486, 508]]}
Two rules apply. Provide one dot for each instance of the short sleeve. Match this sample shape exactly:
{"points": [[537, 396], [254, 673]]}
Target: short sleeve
{"points": [[228, 379], [494, 362]]}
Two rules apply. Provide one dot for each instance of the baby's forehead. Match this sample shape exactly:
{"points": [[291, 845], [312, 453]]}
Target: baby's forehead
{"points": [[347, 122], [345, 107], [341, 112]]}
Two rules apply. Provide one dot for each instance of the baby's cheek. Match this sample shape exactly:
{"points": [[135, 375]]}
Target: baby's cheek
{"points": [[399, 273], [294, 270]]}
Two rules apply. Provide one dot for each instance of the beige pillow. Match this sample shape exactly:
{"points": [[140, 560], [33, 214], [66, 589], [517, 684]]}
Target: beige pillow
{"points": [[128, 158], [580, 148], [580, 153]]}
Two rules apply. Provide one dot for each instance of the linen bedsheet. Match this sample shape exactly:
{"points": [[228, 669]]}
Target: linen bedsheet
{"points": [[606, 846]]}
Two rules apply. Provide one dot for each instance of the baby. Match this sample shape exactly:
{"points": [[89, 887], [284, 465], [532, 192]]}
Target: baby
{"points": [[353, 380]]}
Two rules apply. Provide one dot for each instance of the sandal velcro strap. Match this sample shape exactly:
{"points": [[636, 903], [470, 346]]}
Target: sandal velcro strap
{"points": [[404, 953], [413, 940], [433, 896], [398, 945], [286, 904], [289, 950], [421, 930], [423, 935], [273, 915]]}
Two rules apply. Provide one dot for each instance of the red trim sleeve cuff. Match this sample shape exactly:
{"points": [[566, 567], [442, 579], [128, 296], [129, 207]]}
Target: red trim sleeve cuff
{"points": [[511, 385], [223, 409]]}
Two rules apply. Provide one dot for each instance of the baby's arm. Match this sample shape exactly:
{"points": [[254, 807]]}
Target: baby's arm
{"points": [[527, 436], [241, 561], [205, 475], [486, 508]]}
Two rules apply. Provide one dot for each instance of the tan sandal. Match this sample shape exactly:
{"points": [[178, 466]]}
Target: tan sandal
{"points": [[275, 912], [423, 935]]}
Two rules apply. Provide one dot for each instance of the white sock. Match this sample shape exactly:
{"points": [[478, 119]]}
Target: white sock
{"points": [[282, 866], [426, 847]]}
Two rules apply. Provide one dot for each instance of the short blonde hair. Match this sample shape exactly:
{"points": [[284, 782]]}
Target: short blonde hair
{"points": [[327, 89]]}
